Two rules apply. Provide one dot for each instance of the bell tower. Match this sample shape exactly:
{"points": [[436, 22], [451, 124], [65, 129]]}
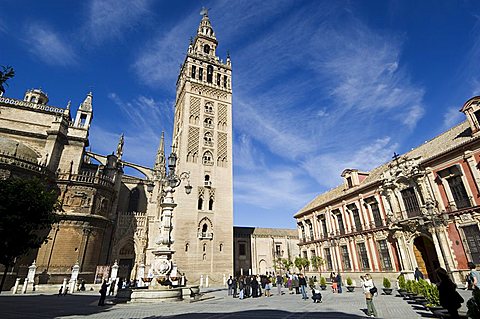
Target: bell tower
{"points": [[202, 140]]}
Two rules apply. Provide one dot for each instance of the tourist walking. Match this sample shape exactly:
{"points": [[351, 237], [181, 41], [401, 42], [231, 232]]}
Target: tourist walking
{"points": [[417, 275], [339, 283], [295, 284], [235, 287], [450, 299], [248, 286], [289, 283], [230, 285], [241, 287], [254, 284], [103, 293], [474, 275], [302, 281], [268, 286], [333, 280], [279, 284], [368, 290]]}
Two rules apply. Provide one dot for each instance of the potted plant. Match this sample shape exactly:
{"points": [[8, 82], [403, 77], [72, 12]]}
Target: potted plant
{"points": [[387, 286], [401, 285], [323, 283], [350, 286], [433, 298]]}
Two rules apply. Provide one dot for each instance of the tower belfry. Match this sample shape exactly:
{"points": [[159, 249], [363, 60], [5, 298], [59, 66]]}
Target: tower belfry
{"points": [[203, 220]]}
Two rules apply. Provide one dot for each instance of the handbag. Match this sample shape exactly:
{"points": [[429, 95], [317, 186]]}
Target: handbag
{"points": [[373, 290]]}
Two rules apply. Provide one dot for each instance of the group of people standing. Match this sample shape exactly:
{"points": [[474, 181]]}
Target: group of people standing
{"points": [[253, 285]]}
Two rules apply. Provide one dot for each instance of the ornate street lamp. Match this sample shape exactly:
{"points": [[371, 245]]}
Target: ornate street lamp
{"points": [[163, 266]]}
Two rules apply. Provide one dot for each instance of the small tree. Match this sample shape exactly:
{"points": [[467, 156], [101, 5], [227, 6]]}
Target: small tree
{"points": [[316, 262], [26, 215], [401, 282], [301, 263], [323, 281], [349, 281], [7, 73], [386, 283], [287, 263]]}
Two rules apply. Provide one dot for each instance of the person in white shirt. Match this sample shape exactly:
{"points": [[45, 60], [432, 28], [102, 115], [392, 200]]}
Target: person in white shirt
{"points": [[367, 290]]}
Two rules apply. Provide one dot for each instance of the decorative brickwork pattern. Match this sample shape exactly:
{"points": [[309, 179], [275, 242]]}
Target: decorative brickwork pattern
{"points": [[194, 110], [193, 141], [222, 116], [222, 149]]}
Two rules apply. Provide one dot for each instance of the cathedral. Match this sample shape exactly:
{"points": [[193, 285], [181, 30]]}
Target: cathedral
{"points": [[110, 217]]}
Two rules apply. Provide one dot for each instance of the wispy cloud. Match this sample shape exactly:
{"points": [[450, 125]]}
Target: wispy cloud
{"points": [[144, 120], [326, 168], [452, 117], [49, 46], [110, 19]]}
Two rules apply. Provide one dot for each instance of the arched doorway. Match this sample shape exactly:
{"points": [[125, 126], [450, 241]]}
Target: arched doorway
{"points": [[262, 265], [426, 257], [126, 259]]}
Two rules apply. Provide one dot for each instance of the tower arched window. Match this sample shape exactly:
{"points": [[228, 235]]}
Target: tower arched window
{"points": [[207, 158], [208, 139], [206, 49], [204, 228], [204, 247], [200, 203], [221, 247], [209, 74], [209, 107], [210, 203], [186, 247], [208, 122]]}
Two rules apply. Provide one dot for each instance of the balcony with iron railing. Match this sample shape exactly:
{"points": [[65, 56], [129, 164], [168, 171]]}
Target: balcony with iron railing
{"points": [[205, 235]]}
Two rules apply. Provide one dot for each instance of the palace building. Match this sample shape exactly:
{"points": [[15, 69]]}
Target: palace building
{"points": [[421, 209], [108, 216]]}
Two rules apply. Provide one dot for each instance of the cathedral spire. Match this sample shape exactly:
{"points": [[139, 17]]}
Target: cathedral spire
{"points": [[120, 146], [159, 166]]}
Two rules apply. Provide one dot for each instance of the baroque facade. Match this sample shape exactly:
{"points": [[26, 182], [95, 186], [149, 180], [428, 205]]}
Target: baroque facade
{"points": [[260, 250], [419, 210], [107, 216]]}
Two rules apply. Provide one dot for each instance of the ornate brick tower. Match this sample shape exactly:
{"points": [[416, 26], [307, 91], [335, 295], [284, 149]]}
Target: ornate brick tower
{"points": [[202, 138]]}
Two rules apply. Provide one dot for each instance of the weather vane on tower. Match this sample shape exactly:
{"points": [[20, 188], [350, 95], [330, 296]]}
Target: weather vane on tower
{"points": [[204, 12]]}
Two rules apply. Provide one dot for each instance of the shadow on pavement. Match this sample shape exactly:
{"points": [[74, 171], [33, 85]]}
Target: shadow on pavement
{"points": [[262, 314], [50, 306]]}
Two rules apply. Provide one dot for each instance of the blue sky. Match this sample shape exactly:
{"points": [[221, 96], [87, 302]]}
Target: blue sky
{"points": [[318, 86]]}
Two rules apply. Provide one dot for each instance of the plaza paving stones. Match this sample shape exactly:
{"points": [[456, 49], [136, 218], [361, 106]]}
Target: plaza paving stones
{"points": [[84, 305]]}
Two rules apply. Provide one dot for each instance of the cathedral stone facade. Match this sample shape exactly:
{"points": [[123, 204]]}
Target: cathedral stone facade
{"points": [[107, 216], [419, 210]]}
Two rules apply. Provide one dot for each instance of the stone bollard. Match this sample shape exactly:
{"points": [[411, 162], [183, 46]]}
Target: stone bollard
{"points": [[224, 280], [140, 275], [64, 285], [201, 280], [72, 285], [206, 282], [15, 288], [25, 286]]}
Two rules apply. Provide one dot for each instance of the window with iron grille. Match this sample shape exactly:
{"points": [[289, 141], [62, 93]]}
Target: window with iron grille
{"points": [[356, 218], [377, 217], [310, 228], [384, 255], [341, 225], [362, 253], [459, 192], [323, 223], [472, 236], [345, 258], [328, 258], [411, 202]]}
